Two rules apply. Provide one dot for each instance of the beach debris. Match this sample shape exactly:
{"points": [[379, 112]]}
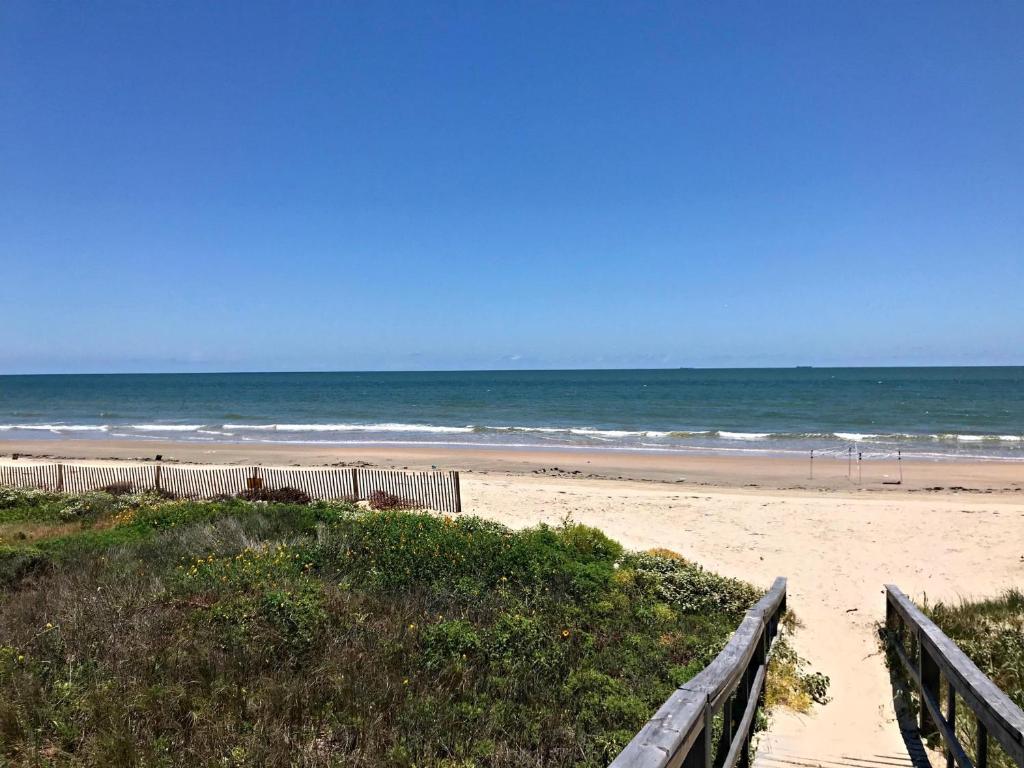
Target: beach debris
{"points": [[118, 489], [285, 495], [383, 500]]}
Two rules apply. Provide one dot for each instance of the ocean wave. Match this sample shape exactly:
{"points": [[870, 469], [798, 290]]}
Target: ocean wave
{"points": [[854, 437], [387, 427], [580, 431], [743, 435], [56, 427], [166, 427], [557, 435]]}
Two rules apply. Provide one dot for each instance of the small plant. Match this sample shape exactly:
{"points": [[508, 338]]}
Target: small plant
{"points": [[789, 684], [285, 495], [118, 489], [383, 500], [89, 505]]}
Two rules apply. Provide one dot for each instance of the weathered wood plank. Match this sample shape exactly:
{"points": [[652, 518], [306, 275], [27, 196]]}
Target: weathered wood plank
{"points": [[1003, 720], [681, 727], [746, 723]]}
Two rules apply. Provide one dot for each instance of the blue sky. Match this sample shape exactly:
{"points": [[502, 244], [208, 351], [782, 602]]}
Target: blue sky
{"points": [[283, 186]]}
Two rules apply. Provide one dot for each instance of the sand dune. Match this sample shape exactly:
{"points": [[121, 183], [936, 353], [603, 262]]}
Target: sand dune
{"points": [[837, 541]]}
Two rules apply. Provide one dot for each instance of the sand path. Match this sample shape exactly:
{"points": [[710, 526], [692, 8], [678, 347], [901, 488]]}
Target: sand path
{"points": [[837, 549]]}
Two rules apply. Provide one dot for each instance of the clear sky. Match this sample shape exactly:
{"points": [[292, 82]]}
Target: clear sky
{"points": [[303, 186]]}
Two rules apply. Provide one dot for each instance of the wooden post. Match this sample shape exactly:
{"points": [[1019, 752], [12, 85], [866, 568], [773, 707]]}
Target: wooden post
{"points": [[725, 738], [60, 478], [950, 717], [355, 484], [699, 755], [899, 461], [811, 476], [981, 759], [156, 478], [458, 492], [929, 671], [742, 698]]}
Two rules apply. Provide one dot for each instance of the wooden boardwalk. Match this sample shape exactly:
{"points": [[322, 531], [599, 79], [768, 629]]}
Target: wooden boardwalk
{"points": [[765, 759]]}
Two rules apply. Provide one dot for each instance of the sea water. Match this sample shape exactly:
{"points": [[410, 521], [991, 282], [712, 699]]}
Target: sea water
{"points": [[922, 412]]}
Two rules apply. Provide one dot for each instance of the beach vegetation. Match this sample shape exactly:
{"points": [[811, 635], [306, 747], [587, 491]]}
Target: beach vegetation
{"points": [[140, 630], [991, 632]]}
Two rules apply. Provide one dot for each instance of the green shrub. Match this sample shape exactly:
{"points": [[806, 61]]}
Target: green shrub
{"points": [[28, 504], [448, 640], [18, 562], [148, 631], [90, 505], [690, 588]]}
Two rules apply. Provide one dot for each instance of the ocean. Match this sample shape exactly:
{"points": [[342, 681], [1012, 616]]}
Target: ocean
{"points": [[931, 413]]}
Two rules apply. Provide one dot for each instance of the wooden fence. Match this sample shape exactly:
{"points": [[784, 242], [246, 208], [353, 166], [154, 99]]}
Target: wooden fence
{"points": [[730, 688], [927, 656], [46, 477], [427, 490]]}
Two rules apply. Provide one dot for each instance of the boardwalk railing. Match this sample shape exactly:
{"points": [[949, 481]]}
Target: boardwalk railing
{"points": [[927, 656], [427, 490], [729, 688]]}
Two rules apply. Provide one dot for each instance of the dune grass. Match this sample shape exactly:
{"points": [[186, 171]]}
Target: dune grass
{"points": [[136, 630], [991, 632]]}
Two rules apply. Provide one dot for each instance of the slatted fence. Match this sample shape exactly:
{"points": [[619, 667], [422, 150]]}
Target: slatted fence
{"points": [[79, 478], [435, 490], [203, 482], [334, 484], [46, 477], [722, 699], [427, 490]]}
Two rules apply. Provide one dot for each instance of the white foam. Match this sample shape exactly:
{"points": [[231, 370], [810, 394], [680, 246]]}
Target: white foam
{"points": [[744, 435], [580, 431], [612, 433], [166, 427], [855, 437], [57, 427], [387, 427]]}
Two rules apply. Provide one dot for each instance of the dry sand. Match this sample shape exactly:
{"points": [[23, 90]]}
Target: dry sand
{"points": [[950, 530]]}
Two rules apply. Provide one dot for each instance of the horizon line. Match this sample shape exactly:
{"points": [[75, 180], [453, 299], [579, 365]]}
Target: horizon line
{"points": [[508, 370]]}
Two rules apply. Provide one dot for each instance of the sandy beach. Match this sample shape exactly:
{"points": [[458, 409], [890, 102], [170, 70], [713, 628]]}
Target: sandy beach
{"points": [[951, 529], [678, 467]]}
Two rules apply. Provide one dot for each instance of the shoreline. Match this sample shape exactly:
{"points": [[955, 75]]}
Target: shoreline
{"points": [[724, 471]]}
